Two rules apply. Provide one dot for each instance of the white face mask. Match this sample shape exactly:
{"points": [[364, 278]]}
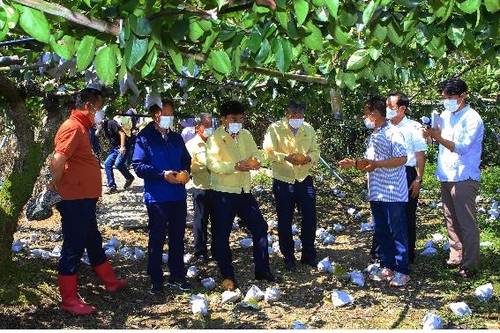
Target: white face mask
{"points": [[234, 128], [390, 113], [295, 123], [166, 121], [208, 131], [450, 104], [369, 124], [99, 116]]}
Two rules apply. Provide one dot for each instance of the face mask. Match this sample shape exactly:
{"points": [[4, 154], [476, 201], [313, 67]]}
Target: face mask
{"points": [[369, 124], [166, 121], [390, 113], [208, 131], [99, 116], [296, 123], [234, 128], [450, 104]]}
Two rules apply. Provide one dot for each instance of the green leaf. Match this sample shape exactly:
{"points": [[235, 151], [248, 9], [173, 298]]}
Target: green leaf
{"points": [[368, 12], [195, 31], [339, 35], [492, 6], [469, 6], [206, 25], [447, 10], [379, 32], [374, 53], [209, 41], [87, 2], [105, 64], [12, 15], [358, 60], [456, 32], [313, 41], [135, 50], [150, 62], [35, 24], [140, 25], [264, 50], [333, 7], [174, 53], [254, 42], [64, 47], [393, 34], [220, 62], [436, 47], [282, 50], [85, 53], [179, 29], [283, 18], [301, 8], [237, 58]]}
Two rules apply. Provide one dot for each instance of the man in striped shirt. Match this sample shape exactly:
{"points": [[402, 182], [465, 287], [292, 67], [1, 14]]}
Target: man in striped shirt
{"points": [[384, 161]]}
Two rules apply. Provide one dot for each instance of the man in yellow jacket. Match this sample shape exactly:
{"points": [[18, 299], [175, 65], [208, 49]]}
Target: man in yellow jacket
{"points": [[231, 154], [291, 147]]}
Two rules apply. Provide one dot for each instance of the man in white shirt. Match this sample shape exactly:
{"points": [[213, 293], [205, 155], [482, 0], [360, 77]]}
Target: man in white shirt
{"points": [[397, 103], [460, 136]]}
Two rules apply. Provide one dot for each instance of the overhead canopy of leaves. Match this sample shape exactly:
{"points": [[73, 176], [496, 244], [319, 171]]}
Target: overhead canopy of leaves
{"points": [[345, 43]]}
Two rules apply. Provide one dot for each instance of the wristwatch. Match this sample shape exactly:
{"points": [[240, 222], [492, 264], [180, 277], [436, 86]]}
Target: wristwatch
{"points": [[418, 180]]}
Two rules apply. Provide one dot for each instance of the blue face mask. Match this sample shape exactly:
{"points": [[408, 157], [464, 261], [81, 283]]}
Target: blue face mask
{"points": [[390, 113], [208, 131], [369, 124], [166, 121], [451, 104], [234, 128]]}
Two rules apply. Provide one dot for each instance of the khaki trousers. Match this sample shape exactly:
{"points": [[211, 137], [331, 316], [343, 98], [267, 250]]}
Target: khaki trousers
{"points": [[459, 209]]}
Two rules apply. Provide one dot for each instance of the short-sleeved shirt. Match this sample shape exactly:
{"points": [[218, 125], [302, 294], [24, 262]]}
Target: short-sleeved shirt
{"points": [[82, 175], [414, 140], [386, 184]]}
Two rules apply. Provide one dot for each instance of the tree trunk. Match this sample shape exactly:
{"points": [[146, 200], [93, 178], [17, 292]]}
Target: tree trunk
{"points": [[18, 186]]}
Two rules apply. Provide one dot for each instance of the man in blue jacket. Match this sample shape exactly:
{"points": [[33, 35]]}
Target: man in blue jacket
{"points": [[159, 157]]}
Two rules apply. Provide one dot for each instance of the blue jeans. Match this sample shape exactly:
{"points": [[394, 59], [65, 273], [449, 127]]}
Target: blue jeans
{"points": [[118, 161], [80, 232], [286, 196], [166, 217], [389, 219]]}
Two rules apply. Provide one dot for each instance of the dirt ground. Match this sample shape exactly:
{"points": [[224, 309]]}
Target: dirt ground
{"points": [[305, 295]]}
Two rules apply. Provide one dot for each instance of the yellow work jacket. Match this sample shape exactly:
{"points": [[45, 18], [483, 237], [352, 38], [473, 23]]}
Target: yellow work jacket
{"points": [[201, 175], [223, 152], [279, 141]]}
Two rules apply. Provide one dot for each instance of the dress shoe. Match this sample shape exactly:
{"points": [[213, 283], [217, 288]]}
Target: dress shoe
{"points": [[451, 264], [309, 262], [465, 273], [128, 183], [268, 276], [112, 190], [290, 266]]}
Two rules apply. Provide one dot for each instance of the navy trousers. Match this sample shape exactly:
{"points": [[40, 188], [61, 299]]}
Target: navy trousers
{"points": [[80, 232], [225, 208], [287, 196], [166, 217], [202, 202]]}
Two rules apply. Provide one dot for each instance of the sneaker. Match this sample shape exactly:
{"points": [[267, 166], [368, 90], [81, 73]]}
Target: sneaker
{"points": [[128, 182], [399, 280], [384, 274], [179, 283], [156, 289], [112, 190]]}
